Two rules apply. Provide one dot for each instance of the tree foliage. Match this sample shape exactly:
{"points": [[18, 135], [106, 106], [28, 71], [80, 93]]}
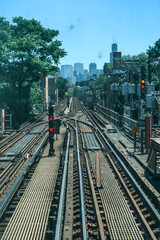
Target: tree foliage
{"points": [[77, 92], [154, 58], [28, 52], [62, 85], [154, 52]]}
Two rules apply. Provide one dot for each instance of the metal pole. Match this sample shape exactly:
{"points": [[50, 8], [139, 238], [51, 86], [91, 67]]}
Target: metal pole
{"points": [[134, 141], [141, 141], [2, 120], [46, 84], [148, 131]]}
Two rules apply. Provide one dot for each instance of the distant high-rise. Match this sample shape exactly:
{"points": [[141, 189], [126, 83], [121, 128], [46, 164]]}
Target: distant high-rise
{"points": [[92, 68], [78, 69], [67, 71], [114, 49], [85, 71]]}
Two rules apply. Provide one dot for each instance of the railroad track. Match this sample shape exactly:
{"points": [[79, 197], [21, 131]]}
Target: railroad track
{"points": [[15, 148], [18, 163], [19, 153], [134, 217], [144, 203], [95, 196]]}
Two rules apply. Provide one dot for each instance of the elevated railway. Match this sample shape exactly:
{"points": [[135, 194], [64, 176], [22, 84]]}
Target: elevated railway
{"points": [[87, 191]]}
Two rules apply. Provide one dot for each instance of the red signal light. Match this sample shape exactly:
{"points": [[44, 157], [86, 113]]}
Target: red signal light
{"points": [[51, 129], [50, 118], [142, 84]]}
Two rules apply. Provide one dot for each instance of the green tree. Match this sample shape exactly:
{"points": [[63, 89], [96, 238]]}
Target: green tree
{"points": [[28, 52], [5, 37], [62, 85], [33, 53], [77, 92], [107, 68], [154, 52], [154, 56], [36, 97]]}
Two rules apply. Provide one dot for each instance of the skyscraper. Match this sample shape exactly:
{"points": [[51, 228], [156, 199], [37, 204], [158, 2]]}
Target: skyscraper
{"points": [[78, 69], [67, 71], [114, 49], [92, 68]]}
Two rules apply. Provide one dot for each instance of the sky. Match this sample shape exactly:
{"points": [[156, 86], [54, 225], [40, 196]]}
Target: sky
{"points": [[87, 28]]}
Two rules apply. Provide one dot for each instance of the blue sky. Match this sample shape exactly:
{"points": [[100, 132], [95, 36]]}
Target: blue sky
{"points": [[89, 27]]}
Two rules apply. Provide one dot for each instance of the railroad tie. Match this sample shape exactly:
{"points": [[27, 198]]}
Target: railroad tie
{"points": [[121, 222], [29, 220]]}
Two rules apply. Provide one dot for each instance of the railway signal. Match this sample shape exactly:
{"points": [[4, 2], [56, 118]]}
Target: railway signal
{"points": [[51, 130], [143, 84], [51, 127]]}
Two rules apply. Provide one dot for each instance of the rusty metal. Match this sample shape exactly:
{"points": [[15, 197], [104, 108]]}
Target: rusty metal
{"points": [[100, 223], [154, 211], [147, 225], [84, 230], [98, 171]]}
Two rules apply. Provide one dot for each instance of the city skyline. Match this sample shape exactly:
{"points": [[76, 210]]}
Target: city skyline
{"points": [[114, 48], [88, 28], [87, 68], [77, 73]]}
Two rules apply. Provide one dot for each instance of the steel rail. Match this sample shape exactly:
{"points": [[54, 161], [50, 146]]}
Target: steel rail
{"points": [[154, 211], [20, 177], [100, 223], [62, 194], [84, 230], [19, 135], [132, 199], [19, 162]]}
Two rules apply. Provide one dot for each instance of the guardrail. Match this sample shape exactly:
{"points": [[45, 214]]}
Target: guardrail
{"points": [[123, 121], [127, 124], [110, 115]]}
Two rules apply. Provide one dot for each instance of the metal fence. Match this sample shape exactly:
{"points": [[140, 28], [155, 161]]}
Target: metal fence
{"points": [[120, 121], [110, 115], [127, 125]]}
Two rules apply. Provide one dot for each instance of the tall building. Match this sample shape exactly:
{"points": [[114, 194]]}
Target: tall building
{"points": [[67, 71], [114, 48], [85, 71], [92, 68], [99, 71], [78, 69]]}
